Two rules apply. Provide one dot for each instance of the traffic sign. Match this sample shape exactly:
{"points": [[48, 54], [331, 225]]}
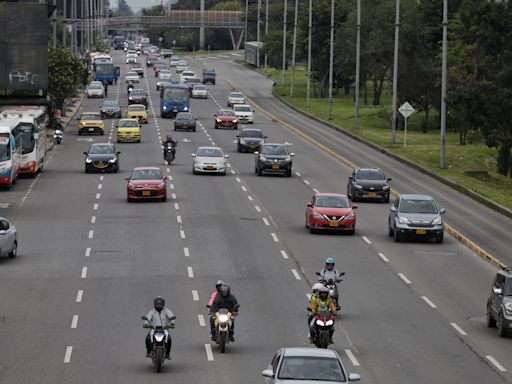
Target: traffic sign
{"points": [[406, 110], [160, 38]]}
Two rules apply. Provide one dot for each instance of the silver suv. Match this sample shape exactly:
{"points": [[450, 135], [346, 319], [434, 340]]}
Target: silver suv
{"points": [[416, 216], [499, 304]]}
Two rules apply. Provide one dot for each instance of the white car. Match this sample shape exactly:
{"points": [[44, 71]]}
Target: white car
{"points": [[244, 113], [95, 90], [209, 160], [181, 66], [174, 61], [236, 98], [199, 92], [186, 74], [8, 239], [132, 77], [131, 58], [165, 74]]}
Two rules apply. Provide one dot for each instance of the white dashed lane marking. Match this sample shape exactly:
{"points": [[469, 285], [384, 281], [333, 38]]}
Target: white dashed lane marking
{"points": [[201, 320], [100, 186], [88, 252], [283, 253], [186, 252], [176, 206], [404, 278], [195, 295], [209, 352], [383, 257], [257, 208], [84, 273], [178, 218], [96, 206], [182, 234], [296, 274], [495, 363], [93, 219], [250, 198], [429, 302], [366, 240], [79, 296], [190, 272], [67, 355], [352, 358], [91, 234], [74, 321], [274, 236], [266, 221], [458, 329]]}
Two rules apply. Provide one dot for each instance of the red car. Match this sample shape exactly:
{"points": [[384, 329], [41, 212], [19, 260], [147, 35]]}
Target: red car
{"points": [[331, 211], [146, 183], [226, 118]]}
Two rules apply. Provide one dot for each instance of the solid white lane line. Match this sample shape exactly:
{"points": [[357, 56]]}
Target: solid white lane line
{"points": [[306, 182], [250, 198], [257, 208], [79, 296], [383, 257], [67, 356], [209, 352], [186, 252], [84, 273], [296, 274], [195, 295], [366, 240], [238, 180], [171, 186], [179, 219], [93, 219], [74, 321], [297, 173], [285, 256], [88, 252], [182, 233], [429, 302], [95, 207], [496, 364], [233, 172], [352, 358], [173, 195], [190, 272], [91, 234], [98, 195], [266, 221], [458, 329], [100, 186], [201, 321], [274, 236], [404, 278], [176, 206]]}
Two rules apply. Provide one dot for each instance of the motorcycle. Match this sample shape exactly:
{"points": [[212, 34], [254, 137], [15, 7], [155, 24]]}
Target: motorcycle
{"points": [[223, 322], [333, 289], [57, 136], [129, 88], [324, 322], [170, 152], [158, 341]]}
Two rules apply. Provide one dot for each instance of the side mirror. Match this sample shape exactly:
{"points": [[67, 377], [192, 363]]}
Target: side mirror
{"points": [[193, 154], [118, 152], [265, 137], [497, 291], [85, 153], [342, 273], [127, 178], [354, 377], [393, 208], [144, 318], [351, 177], [166, 178], [173, 318], [226, 156], [354, 206], [292, 154], [215, 115], [268, 373], [309, 205], [237, 135], [442, 211], [389, 179], [317, 273], [256, 153]]}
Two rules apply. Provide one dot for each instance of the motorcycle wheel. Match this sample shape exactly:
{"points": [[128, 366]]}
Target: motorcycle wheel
{"points": [[159, 357], [222, 342], [324, 340]]}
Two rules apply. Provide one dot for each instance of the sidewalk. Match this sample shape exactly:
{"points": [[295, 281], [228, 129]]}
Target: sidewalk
{"points": [[71, 110]]}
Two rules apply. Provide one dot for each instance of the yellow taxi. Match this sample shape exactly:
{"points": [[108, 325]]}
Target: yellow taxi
{"points": [[139, 112], [91, 123], [128, 130]]}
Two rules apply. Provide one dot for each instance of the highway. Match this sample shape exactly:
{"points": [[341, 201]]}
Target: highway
{"points": [[89, 263]]}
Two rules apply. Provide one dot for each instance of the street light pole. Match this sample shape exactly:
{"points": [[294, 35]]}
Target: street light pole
{"points": [[310, 27], [294, 46], [54, 22], [358, 64], [331, 60], [64, 23], [284, 41], [442, 159], [266, 30], [258, 36], [246, 16], [395, 73]]}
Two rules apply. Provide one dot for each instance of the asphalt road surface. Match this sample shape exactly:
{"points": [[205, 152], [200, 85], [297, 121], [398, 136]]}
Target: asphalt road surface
{"points": [[89, 263]]}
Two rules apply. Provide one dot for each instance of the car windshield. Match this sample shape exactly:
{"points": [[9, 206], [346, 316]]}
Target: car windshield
{"points": [[188, 73], [370, 174], [274, 150], [332, 201], [101, 149], [208, 73], [90, 116], [165, 72], [243, 108], [95, 86], [5, 147], [192, 80], [184, 115], [137, 108], [311, 368], [417, 206], [209, 152], [110, 104], [251, 133], [176, 95], [226, 112], [146, 174], [137, 92], [199, 88], [237, 95], [128, 123], [132, 73], [507, 291]]}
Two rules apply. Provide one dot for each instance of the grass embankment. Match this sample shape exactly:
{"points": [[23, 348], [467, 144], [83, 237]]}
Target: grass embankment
{"points": [[185, 53], [422, 148]]}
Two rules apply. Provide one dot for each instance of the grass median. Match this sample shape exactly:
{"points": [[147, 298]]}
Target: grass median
{"points": [[471, 165]]}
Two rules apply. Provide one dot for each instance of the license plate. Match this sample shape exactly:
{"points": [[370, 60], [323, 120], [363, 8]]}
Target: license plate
{"points": [[210, 167], [421, 231], [334, 223], [185, 126], [275, 166], [91, 129], [110, 113], [372, 194], [252, 146], [101, 164], [146, 193]]}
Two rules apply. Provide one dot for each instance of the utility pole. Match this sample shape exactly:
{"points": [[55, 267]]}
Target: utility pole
{"points": [[82, 25], [54, 24], [442, 159], [331, 60], [201, 28], [258, 36], [310, 27], [358, 64], [266, 30], [284, 41], [395, 73], [64, 23], [246, 16], [292, 85]]}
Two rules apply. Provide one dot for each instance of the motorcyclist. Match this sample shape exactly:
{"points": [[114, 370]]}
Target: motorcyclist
{"points": [[224, 300], [160, 316], [168, 140], [329, 274], [130, 87], [219, 284], [321, 303], [314, 294]]}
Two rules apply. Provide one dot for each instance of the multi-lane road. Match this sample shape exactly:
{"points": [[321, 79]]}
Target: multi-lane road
{"points": [[89, 263]]}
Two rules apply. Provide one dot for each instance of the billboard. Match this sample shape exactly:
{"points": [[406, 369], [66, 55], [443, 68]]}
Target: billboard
{"points": [[24, 46]]}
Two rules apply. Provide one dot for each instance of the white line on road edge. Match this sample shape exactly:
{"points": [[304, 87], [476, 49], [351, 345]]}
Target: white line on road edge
{"points": [[187, 253], [257, 208], [67, 356], [285, 256], [182, 233], [274, 236], [195, 295], [250, 198], [79, 296], [179, 219], [233, 172], [243, 188], [495, 362], [316, 190], [384, 258], [100, 186], [74, 321], [306, 182], [176, 206], [209, 353], [352, 358], [91, 234], [95, 207], [366, 240], [98, 195], [266, 221], [88, 252], [190, 272], [429, 302], [238, 180], [296, 274], [201, 320], [404, 278], [93, 219], [84, 273], [458, 329]]}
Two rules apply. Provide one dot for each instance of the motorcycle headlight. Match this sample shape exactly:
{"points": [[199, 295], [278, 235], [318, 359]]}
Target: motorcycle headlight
{"points": [[164, 108], [88, 161], [329, 322], [437, 221], [320, 323], [316, 215], [403, 220], [242, 141], [223, 318]]}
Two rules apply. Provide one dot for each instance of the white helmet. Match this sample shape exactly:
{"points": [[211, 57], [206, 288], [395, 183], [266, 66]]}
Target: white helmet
{"points": [[316, 287]]}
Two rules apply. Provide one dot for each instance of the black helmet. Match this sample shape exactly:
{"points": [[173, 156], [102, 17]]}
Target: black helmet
{"points": [[219, 284], [159, 303], [168, 137], [224, 290]]}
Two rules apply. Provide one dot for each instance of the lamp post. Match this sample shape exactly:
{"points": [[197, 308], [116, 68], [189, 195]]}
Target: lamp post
{"points": [[284, 42], [444, 70], [294, 46], [331, 60], [310, 27], [358, 64], [266, 30], [258, 36], [395, 73], [246, 16]]}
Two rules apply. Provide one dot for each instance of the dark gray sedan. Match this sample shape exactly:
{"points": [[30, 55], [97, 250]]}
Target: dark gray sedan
{"points": [[273, 158], [102, 157], [185, 121], [250, 140], [110, 108], [368, 184]]}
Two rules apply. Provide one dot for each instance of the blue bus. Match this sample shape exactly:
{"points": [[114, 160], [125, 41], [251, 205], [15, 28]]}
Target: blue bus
{"points": [[119, 42], [105, 71], [174, 98]]}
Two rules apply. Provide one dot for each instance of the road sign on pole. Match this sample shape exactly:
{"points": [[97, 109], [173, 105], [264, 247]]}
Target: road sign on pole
{"points": [[406, 110]]}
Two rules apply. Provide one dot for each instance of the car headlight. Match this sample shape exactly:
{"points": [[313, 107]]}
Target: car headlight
{"points": [[508, 307], [350, 217], [218, 120], [112, 160], [130, 185], [223, 318], [263, 158], [403, 220], [88, 161], [358, 186], [130, 98], [437, 221], [235, 121], [386, 187], [288, 158], [329, 322], [185, 109], [317, 215], [242, 141]]}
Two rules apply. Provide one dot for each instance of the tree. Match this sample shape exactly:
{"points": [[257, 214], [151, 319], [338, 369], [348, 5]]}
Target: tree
{"points": [[123, 9], [64, 74]]}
